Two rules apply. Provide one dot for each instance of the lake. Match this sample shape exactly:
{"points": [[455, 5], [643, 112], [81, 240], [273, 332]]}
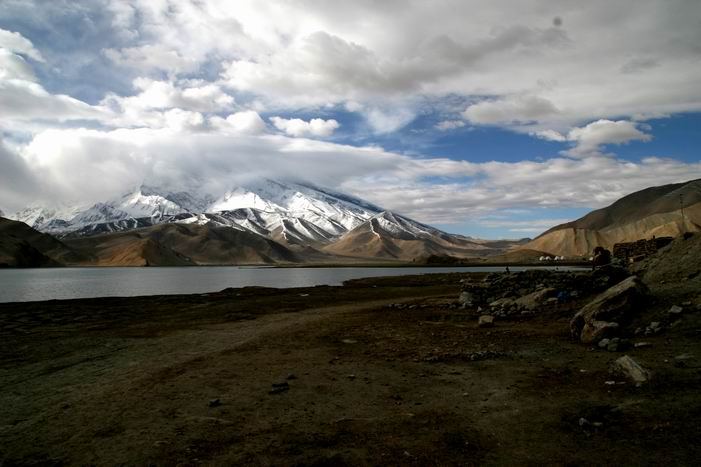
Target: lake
{"points": [[21, 285]]}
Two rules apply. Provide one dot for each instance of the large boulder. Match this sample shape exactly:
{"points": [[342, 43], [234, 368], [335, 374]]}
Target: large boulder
{"points": [[616, 305]]}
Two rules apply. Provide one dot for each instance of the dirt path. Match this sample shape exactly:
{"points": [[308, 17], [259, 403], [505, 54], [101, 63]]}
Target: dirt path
{"points": [[367, 384]]}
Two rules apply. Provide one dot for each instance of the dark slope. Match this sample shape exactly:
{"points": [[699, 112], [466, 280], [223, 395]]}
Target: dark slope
{"points": [[22, 246]]}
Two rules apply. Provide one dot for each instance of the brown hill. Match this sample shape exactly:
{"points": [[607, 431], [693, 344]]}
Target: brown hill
{"points": [[22, 246], [651, 212], [388, 235], [182, 244]]}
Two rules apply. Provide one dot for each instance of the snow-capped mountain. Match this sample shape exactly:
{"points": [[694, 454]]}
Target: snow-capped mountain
{"points": [[293, 213], [308, 220], [63, 219]]}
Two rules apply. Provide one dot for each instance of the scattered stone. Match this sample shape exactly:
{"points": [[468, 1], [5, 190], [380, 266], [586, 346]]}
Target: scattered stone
{"points": [[687, 303], [683, 360], [349, 341], [351, 377], [215, 403], [603, 343], [291, 376], [583, 422], [653, 329], [466, 299], [614, 345], [485, 321], [642, 345], [617, 304], [675, 310], [278, 388], [632, 369]]}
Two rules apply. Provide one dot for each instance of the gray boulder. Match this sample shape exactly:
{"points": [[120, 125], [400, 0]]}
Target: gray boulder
{"points": [[534, 300], [632, 369]]}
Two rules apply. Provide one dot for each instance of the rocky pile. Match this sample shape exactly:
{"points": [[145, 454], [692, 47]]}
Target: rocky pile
{"points": [[523, 293]]}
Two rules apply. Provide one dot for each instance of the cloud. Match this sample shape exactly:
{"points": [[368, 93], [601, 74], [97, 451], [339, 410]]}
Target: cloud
{"points": [[447, 125], [549, 135], [153, 94], [26, 100], [246, 122], [510, 111], [16, 43], [160, 104], [299, 127], [94, 165], [639, 64], [591, 137], [12, 66], [152, 56], [534, 226], [22, 97], [17, 182]]}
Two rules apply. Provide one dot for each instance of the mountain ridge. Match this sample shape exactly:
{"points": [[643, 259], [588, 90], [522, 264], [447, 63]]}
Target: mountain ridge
{"points": [[307, 220], [653, 211]]}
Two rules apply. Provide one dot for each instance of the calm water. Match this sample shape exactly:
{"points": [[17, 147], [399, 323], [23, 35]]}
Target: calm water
{"points": [[21, 285]]}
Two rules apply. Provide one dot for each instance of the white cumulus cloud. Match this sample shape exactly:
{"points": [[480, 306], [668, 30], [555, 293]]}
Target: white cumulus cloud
{"points": [[299, 127], [591, 137]]}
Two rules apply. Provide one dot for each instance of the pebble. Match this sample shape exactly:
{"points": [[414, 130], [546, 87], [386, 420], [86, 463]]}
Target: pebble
{"points": [[279, 388], [214, 403], [675, 310]]}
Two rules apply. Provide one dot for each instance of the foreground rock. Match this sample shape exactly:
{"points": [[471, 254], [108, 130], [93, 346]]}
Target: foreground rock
{"points": [[596, 331], [628, 367], [486, 321], [608, 310]]}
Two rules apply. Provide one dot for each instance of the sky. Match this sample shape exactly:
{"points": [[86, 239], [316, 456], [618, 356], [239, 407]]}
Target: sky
{"points": [[490, 119]]}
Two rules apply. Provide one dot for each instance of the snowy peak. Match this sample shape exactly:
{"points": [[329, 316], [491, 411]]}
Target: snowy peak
{"points": [[131, 206], [390, 224], [139, 205]]}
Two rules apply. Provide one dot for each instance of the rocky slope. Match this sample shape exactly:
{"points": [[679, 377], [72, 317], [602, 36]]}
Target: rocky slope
{"points": [[22, 246], [651, 212], [389, 235]]}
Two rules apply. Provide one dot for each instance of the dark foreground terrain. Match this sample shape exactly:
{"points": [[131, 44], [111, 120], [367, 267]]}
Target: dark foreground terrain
{"points": [[382, 371]]}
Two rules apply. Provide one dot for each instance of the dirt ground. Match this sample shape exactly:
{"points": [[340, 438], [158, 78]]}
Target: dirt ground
{"points": [[188, 379]]}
